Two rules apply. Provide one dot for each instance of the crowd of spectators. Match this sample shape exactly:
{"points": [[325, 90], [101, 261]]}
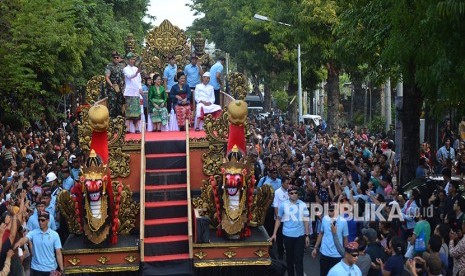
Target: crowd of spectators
{"points": [[356, 167], [350, 166], [36, 163]]}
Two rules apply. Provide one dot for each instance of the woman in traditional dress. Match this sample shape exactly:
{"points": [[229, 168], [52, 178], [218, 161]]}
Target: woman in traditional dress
{"points": [[180, 95], [157, 103]]}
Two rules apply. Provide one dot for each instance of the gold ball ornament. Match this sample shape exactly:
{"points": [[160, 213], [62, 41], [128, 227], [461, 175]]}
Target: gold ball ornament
{"points": [[99, 117], [237, 112]]}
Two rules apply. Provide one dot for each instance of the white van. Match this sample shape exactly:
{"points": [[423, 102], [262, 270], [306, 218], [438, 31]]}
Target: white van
{"points": [[311, 118]]}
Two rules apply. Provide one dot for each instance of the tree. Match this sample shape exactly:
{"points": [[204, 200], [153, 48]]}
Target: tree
{"points": [[47, 44]]}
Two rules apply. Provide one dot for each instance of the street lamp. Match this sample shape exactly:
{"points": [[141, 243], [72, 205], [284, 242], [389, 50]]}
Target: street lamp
{"points": [[259, 17]]}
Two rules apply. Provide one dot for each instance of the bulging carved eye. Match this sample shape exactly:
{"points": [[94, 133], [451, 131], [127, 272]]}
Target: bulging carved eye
{"points": [[88, 182], [238, 178], [99, 182]]}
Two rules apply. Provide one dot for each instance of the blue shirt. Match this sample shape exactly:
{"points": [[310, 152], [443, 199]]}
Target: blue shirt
{"points": [[276, 184], [216, 68], [342, 268], [192, 73], [327, 243], [68, 183], [293, 216], [43, 251], [169, 73]]}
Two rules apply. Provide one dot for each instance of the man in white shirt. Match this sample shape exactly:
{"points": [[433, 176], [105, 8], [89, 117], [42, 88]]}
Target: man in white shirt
{"points": [[132, 92], [205, 99], [280, 195]]}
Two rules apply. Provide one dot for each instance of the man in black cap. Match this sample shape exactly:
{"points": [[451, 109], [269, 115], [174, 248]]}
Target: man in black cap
{"points": [[46, 252], [114, 84], [347, 265]]}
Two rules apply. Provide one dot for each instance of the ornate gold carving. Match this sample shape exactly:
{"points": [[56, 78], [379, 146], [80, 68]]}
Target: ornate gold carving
{"points": [[199, 49], [119, 163], [232, 263], [238, 84], [213, 159], [200, 254], [66, 207], [100, 250], [74, 261], [130, 258], [99, 117], [230, 254], [206, 201], [103, 260], [130, 43], [261, 253], [94, 88], [217, 129], [198, 143], [262, 200], [162, 41], [116, 132], [84, 130], [129, 209], [100, 269]]}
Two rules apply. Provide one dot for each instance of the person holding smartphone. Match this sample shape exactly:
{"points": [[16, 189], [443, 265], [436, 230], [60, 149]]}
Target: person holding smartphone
{"points": [[329, 256]]}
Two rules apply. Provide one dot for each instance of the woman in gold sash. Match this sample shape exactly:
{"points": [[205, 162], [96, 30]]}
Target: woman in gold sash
{"points": [[180, 97]]}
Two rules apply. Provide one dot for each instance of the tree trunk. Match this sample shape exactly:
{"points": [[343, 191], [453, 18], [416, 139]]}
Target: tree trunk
{"points": [[333, 97], [267, 101], [410, 117]]}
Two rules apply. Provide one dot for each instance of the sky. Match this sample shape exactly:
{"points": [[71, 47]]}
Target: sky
{"points": [[173, 10]]}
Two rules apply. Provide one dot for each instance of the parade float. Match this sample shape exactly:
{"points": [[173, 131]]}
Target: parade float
{"points": [[166, 203]]}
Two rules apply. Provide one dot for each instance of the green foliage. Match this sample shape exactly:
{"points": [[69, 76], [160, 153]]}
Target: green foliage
{"points": [[282, 100], [377, 124], [49, 43]]}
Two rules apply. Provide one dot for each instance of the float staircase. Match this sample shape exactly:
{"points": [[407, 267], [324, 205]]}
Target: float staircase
{"points": [[166, 241]]}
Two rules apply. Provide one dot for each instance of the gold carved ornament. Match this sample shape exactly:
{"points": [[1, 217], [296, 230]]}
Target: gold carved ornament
{"points": [[161, 42], [66, 207], [118, 161], [103, 260], [200, 255], [130, 258], [94, 88], [238, 84], [261, 253], [128, 211], [206, 201], [84, 130], [230, 254], [74, 261], [262, 200]]}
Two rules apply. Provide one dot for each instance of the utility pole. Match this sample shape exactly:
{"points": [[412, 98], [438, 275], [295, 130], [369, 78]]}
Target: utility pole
{"points": [[387, 105], [399, 134]]}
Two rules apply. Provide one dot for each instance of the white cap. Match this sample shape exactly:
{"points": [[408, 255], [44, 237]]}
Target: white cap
{"points": [[206, 74], [50, 177], [71, 157]]}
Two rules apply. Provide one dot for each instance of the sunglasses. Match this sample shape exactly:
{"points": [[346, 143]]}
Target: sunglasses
{"points": [[42, 220], [292, 193], [355, 255]]}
